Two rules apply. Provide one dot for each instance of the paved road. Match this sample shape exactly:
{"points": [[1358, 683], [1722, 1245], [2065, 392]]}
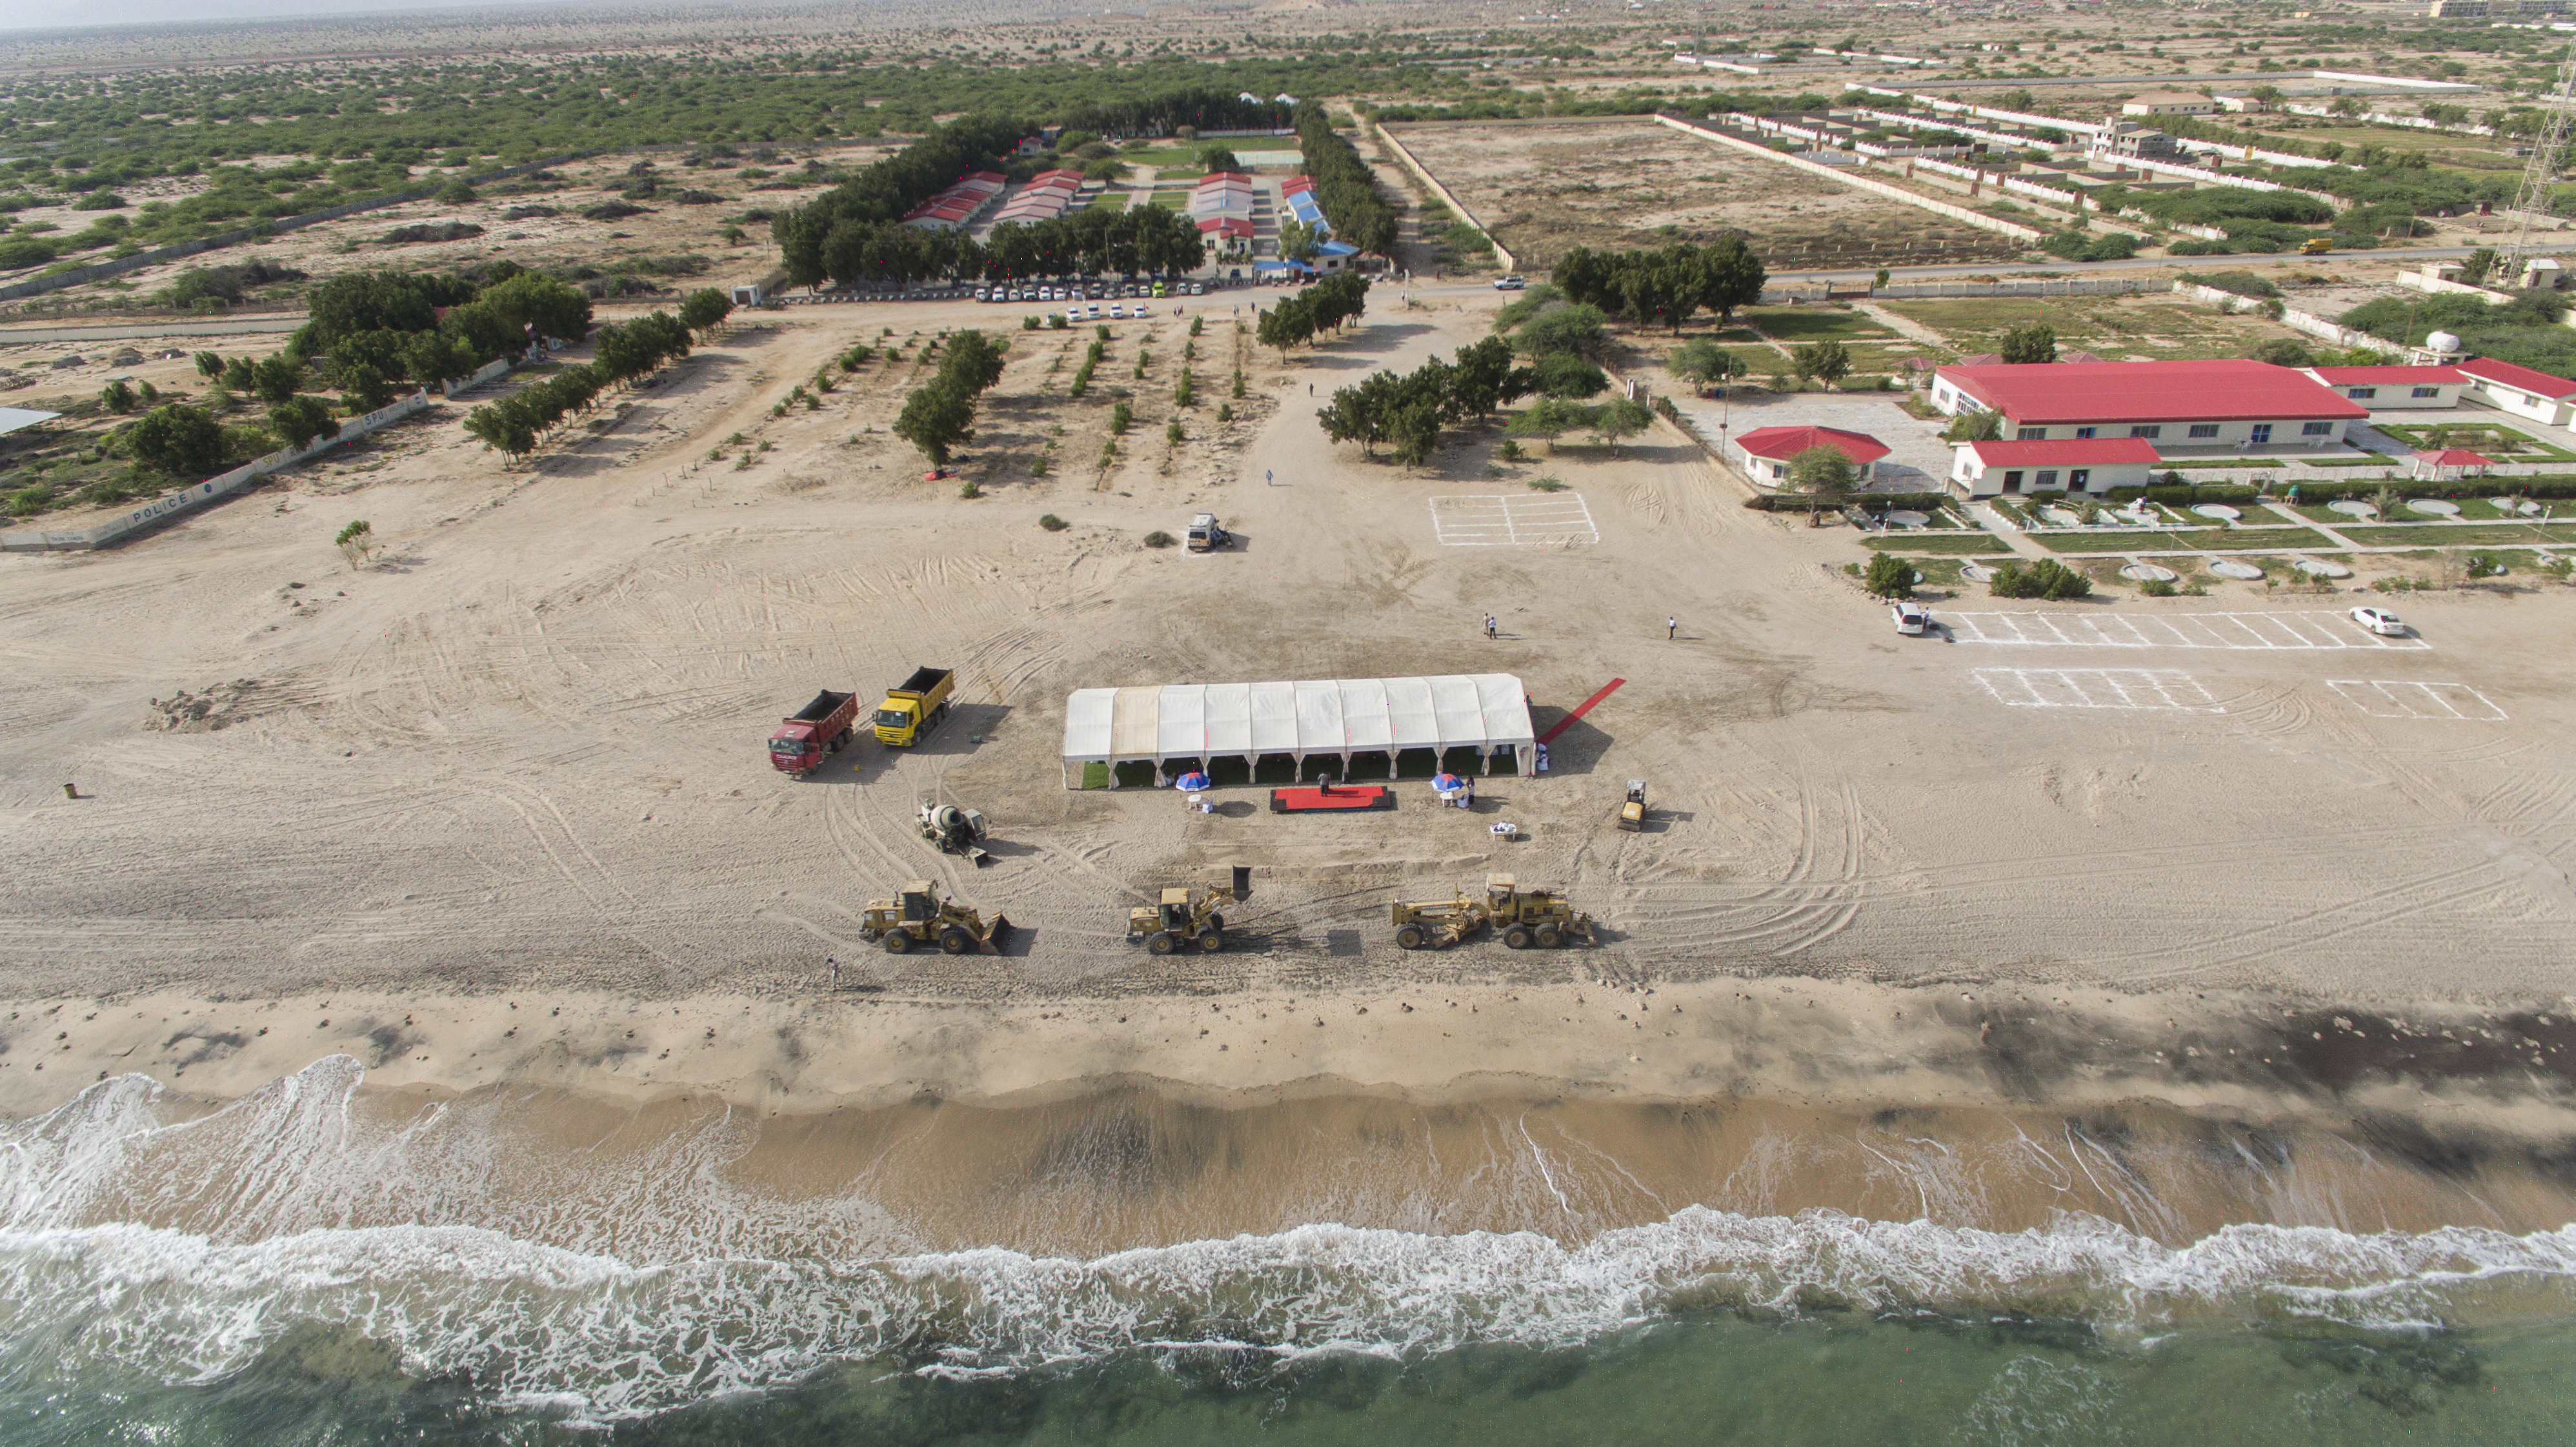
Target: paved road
{"points": [[144, 330], [191, 327]]}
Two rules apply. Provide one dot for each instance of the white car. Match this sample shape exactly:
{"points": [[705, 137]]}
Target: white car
{"points": [[1117, 311], [1912, 619], [2379, 621], [1509, 283]]}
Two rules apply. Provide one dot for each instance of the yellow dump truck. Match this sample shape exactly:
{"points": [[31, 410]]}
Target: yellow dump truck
{"points": [[914, 709]]}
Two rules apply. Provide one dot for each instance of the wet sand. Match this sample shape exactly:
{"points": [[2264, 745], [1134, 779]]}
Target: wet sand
{"points": [[1084, 1126]]}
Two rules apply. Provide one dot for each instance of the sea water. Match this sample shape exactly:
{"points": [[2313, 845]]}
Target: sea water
{"points": [[316, 1265]]}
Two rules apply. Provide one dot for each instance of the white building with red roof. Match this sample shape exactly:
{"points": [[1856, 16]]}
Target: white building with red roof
{"points": [[2223, 406], [2384, 389], [2072, 464], [2520, 390], [1763, 454]]}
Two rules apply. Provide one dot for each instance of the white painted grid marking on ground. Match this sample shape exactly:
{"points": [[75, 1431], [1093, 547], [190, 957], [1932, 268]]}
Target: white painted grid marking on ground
{"points": [[2130, 688], [2385, 698], [2282, 632], [1505, 521]]}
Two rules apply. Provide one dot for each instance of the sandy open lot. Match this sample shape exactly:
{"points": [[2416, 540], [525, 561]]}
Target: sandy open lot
{"points": [[1546, 188], [522, 750]]}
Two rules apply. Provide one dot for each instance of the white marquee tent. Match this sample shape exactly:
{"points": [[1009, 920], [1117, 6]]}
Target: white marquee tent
{"points": [[1199, 723]]}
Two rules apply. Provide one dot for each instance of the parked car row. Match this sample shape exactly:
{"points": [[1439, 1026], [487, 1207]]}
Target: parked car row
{"points": [[1914, 620], [1092, 291]]}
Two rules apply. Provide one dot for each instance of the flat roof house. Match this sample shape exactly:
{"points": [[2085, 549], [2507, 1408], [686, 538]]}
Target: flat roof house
{"points": [[2090, 464], [2383, 388], [2520, 390], [2168, 103], [2214, 407]]}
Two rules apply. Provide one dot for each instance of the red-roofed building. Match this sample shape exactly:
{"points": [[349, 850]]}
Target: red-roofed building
{"points": [[2217, 406], [2383, 388], [2520, 390], [2087, 464], [2449, 463], [1763, 454]]}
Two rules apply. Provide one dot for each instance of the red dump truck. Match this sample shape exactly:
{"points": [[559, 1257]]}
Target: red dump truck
{"points": [[812, 732]]}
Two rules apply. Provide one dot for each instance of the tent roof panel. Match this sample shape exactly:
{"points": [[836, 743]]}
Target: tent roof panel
{"points": [[1311, 716]]}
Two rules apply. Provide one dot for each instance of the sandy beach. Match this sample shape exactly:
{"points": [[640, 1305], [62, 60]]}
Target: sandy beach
{"points": [[492, 810]]}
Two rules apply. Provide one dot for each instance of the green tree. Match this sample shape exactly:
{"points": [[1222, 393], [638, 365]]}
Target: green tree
{"points": [[1619, 419], [210, 365], [273, 377], [1299, 241], [117, 396], [299, 420], [2284, 352], [2034, 343], [1889, 576], [1567, 375], [1980, 425], [1823, 471], [1562, 330], [1701, 361], [1414, 431], [936, 418], [179, 440], [355, 540], [2047, 578], [1549, 417], [704, 310], [1218, 158], [1828, 362]]}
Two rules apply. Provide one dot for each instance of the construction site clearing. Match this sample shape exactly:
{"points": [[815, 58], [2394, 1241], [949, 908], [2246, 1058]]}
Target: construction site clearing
{"points": [[528, 727]]}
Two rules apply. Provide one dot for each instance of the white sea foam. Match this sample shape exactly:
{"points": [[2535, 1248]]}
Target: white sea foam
{"points": [[624, 1332]]}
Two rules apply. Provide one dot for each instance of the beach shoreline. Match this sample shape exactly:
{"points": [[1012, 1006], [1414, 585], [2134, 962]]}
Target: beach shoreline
{"points": [[2454, 1071]]}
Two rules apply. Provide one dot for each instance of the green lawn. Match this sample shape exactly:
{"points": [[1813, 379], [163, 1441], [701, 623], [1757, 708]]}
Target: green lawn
{"points": [[1979, 543], [2498, 535], [1793, 325], [2198, 539]]}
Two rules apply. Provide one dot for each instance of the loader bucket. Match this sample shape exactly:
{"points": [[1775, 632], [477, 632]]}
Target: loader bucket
{"points": [[1000, 933], [1242, 882]]}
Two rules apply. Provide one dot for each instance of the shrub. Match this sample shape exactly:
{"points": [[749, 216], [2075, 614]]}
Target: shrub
{"points": [[2047, 578], [1158, 539], [969, 489], [29, 501], [1547, 484], [2157, 588], [1119, 416], [1889, 576], [1052, 523]]}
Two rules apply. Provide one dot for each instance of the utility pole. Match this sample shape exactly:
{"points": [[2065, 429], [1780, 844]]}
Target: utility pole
{"points": [[2540, 178]]}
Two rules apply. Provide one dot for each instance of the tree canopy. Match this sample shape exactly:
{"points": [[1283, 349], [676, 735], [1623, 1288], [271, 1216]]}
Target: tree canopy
{"points": [[1664, 287]]}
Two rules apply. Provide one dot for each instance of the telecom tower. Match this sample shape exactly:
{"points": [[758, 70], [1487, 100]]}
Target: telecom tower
{"points": [[2540, 178]]}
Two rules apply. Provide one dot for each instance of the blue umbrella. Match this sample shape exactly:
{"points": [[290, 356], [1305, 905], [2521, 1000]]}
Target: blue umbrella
{"points": [[1191, 782], [1446, 783]]}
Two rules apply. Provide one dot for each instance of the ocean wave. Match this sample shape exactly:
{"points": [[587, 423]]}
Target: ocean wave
{"points": [[539, 1322]]}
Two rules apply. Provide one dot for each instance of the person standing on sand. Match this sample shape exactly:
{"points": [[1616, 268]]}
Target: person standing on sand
{"points": [[835, 967], [1671, 624]]}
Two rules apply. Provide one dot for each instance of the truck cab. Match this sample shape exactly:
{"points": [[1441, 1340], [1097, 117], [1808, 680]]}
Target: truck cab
{"points": [[818, 729], [912, 709]]}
